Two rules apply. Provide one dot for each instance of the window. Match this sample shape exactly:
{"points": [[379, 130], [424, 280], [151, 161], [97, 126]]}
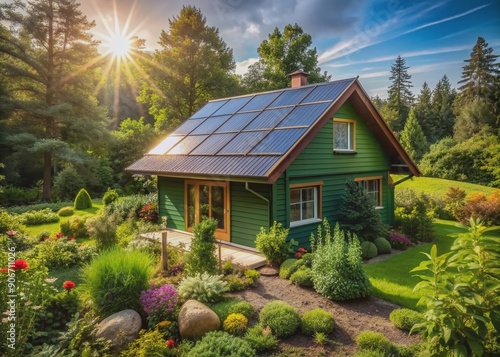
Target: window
{"points": [[372, 186], [305, 203], [344, 135]]}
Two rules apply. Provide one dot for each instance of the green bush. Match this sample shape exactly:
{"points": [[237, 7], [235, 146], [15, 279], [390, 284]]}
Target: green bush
{"points": [[54, 207], [130, 205], [62, 253], [242, 307], [260, 339], [149, 344], [44, 216], [287, 268], [115, 279], [21, 241], [337, 268], [66, 211], [203, 287], [302, 277], [103, 230], [235, 324], [231, 306], [75, 227], [404, 319], [10, 222], [234, 282], [317, 320], [10, 195], [368, 250], [221, 344], [201, 258], [383, 246], [414, 218], [282, 318], [109, 197], [57, 310], [83, 200], [370, 340], [251, 276], [67, 183], [273, 245]]}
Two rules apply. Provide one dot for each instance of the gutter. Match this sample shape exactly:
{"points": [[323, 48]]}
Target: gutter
{"points": [[247, 187]]}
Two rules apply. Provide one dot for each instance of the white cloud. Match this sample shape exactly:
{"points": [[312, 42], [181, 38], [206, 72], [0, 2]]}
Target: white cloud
{"points": [[242, 67]]}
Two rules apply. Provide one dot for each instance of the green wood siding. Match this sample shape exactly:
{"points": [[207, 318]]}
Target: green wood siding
{"points": [[318, 163], [171, 201], [248, 212]]}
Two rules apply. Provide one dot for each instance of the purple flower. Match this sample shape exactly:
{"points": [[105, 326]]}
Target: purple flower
{"points": [[159, 300]]}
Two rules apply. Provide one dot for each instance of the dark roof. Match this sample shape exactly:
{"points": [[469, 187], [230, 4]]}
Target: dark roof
{"points": [[257, 136]]}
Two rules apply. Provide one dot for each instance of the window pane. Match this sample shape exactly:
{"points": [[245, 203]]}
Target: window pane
{"points": [[308, 194], [307, 210], [341, 135], [295, 212], [204, 201], [294, 196], [218, 205]]}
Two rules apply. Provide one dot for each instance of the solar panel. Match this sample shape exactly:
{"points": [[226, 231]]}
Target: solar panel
{"points": [[232, 106], [209, 125], [208, 109], [260, 101], [188, 126], [185, 146], [278, 141], [237, 122], [327, 92], [213, 144], [291, 97], [304, 114], [268, 118], [165, 145], [243, 142]]}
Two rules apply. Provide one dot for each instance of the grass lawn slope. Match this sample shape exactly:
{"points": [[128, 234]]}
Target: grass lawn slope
{"points": [[433, 186]]}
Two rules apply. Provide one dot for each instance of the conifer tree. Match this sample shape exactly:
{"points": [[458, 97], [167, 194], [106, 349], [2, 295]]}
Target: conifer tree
{"points": [[443, 97], [400, 96], [413, 138], [423, 111]]}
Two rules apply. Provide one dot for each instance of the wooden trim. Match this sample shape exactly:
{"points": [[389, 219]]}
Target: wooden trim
{"points": [[307, 184], [372, 178], [319, 186], [342, 120]]}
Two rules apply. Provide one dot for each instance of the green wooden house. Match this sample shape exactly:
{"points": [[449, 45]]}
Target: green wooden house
{"points": [[282, 155]]}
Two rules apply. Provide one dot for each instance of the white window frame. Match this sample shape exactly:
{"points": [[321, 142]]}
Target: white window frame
{"points": [[351, 129], [317, 187], [361, 181]]}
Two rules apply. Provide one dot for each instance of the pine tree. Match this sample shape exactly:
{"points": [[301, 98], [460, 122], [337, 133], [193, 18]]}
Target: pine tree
{"points": [[400, 95], [413, 138], [423, 111], [443, 97], [193, 66]]}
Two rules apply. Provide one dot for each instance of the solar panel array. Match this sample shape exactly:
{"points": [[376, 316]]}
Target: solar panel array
{"points": [[259, 124]]}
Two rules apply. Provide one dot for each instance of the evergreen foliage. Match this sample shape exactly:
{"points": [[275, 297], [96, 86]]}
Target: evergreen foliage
{"points": [[400, 96], [203, 287], [358, 214], [317, 320], [261, 339], [273, 243], [404, 319], [383, 245], [220, 343], [413, 138], [423, 111], [67, 183], [83, 200], [201, 258], [282, 318], [443, 97], [368, 250]]}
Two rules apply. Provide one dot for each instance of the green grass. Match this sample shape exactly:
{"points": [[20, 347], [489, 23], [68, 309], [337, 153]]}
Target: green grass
{"points": [[62, 275], [437, 186]]}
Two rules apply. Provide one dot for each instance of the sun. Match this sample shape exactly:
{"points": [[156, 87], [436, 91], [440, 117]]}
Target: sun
{"points": [[118, 45]]}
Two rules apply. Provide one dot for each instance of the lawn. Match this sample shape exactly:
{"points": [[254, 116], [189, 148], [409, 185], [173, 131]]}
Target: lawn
{"points": [[433, 186]]}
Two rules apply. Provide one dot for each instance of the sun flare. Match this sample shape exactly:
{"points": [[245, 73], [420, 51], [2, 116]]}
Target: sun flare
{"points": [[119, 45]]}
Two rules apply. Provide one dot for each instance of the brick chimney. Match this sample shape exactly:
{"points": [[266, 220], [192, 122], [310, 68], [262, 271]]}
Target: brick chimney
{"points": [[299, 78]]}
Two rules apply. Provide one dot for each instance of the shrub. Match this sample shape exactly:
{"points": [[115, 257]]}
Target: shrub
{"points": [[399, 241], [235, 283], [148, 213], [203, 287], [10, 222], [383, 246], [62, 253], [235, 324], [21, 241], [302, 277], [221, 344], [75, 227], [251, 276], [149, 344], [201, 258], [404, 319], [242, 307], [109, 197], [483, 208], [115, 279], [370, 340], [226, 307], [317, 320], [44, 216], [368, 250], [358, 214], [103, 230], [83, 200], [337, 267], [160, 303], [57, 310], [282, 318], [287, 268], [260, 339], [413, 217], [148, 245], [67, 183], [130, 205], [54, 207], [273, 245], [10, 195], [66, 211]]}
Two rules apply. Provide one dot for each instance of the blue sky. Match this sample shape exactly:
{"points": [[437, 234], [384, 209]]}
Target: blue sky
{"points": [[351, 37]]}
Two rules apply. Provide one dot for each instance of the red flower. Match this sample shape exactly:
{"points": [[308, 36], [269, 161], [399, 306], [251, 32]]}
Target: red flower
{"points": [[170, 343], [68, 285], [302, 250], [20, 264], [298, 255], [72, 238], [11, 233], [4, 270], [59, 235]]}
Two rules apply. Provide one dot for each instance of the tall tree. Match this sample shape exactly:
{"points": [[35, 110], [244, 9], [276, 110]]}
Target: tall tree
{"points": [[49, 58], [400, 95], [193, 66], [423, 111], [413, 138], [443, 97], [281, 54]]}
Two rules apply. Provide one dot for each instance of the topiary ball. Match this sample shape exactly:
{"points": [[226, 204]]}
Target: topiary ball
{"points": [[317, 321], [383, 246], [302, 277], [66, 211], [235, 324], [404, 319], [109, 197], [282, 318], [83, 200], [368, 250], [370, 340], [287, 268]]}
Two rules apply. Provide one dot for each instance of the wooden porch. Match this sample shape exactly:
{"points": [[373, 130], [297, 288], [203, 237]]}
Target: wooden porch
{"points": [[239, 254]]}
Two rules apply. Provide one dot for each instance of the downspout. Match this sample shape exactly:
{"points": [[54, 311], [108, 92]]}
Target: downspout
{"points": [[247, 187]]}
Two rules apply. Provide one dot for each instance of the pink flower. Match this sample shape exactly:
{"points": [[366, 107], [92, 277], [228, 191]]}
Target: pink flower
{"points": [[302, 250], [170, 343], [59, 235], [11, 233], [298, 255], [68, 285], [72, 238], [20, 264]]}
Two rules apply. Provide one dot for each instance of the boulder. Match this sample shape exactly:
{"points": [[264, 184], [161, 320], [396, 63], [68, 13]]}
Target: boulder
{"points": [[120, 328], [196, 319]]}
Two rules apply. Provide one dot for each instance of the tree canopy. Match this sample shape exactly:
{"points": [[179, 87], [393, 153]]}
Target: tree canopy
{"points": [[400, 96]]}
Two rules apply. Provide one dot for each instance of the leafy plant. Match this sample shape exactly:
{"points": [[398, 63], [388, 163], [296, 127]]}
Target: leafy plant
{"points": [[273, 244], [317, 320], [399, 241], [201, 258], [58, 310], [261, 339], [235, 283], [115, 279], [220, 343], [251, 276], [461, 296], [103, 229], [230, 306], [235, 324], [160, 303], [62, 253], [203, 287], [287, 268], [148, 213], [109, 197], [83, 200], [375, 341], [66, 211], [404, 319], [415, 221], [150, 344], [43, 216], [75, 227], [282, 318], [129, 205], [302, 276], [337, 268]]}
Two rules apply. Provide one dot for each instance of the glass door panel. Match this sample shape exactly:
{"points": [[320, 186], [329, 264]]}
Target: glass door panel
{"points": [[204, 201], [191, 205], [218, 205]]}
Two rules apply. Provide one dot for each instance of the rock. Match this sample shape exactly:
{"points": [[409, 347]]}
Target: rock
{"points": [[120, 328], [196, 319]]}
